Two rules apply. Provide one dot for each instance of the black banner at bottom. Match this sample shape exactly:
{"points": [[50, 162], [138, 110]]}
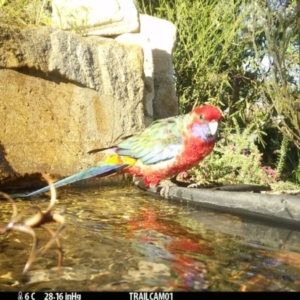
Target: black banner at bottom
{"points": [[88, 295], [116, 295]]}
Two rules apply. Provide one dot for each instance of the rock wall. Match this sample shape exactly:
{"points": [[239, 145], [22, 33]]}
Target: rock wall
{"points": [[63, 93], [63, 96]]}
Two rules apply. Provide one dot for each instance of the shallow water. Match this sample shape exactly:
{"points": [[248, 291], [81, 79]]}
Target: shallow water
{"points": [[121, 238]]}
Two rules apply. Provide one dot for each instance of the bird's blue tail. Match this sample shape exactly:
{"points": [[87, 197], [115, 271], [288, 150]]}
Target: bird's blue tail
{"points": [[102, 170]]}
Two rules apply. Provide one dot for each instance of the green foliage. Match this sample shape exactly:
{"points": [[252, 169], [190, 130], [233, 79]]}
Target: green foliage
{"points": [[209, 51], [274, 39], [236, 159], [25, 12], [244, 57], [282, 155], [296, 172]]}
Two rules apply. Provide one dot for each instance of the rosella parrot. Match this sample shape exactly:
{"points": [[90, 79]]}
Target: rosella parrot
{"points": [[164, 149]]}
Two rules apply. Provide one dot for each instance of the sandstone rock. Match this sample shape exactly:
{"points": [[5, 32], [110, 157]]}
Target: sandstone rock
{"points": [[157, 38], [63, 95], [138, 39], [162, 36], [101, 17]]}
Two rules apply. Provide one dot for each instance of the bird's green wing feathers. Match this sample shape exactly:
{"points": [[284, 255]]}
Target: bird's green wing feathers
{"points": [[159, 142]]}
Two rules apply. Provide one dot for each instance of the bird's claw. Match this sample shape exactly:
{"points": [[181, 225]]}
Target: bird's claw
{"points": [[165, 188], [164, 192]]}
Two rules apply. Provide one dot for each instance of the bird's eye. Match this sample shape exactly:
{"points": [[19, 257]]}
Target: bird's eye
{"points": [[201, 117]]}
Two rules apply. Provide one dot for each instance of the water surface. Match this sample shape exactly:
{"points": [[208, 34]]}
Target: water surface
{"points": [[123, 239]]}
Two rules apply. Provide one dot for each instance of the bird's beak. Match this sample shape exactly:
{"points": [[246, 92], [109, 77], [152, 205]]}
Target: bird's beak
{"points": [[213, 127]]}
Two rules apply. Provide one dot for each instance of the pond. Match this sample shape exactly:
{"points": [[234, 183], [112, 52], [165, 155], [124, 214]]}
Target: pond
{"points": [[124, 239]]}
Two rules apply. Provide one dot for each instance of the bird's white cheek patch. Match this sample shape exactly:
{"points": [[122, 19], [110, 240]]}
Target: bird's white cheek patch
{"points": [[213, 127]]}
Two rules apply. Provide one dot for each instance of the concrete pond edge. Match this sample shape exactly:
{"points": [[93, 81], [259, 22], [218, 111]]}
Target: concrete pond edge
{"points": [[280, 209]]}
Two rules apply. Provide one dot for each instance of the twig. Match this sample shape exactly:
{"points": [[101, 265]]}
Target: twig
{"points": [[38, 220]]}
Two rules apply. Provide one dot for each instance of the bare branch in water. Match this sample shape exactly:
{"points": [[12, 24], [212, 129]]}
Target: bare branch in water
{"points": [[39, 219]]}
